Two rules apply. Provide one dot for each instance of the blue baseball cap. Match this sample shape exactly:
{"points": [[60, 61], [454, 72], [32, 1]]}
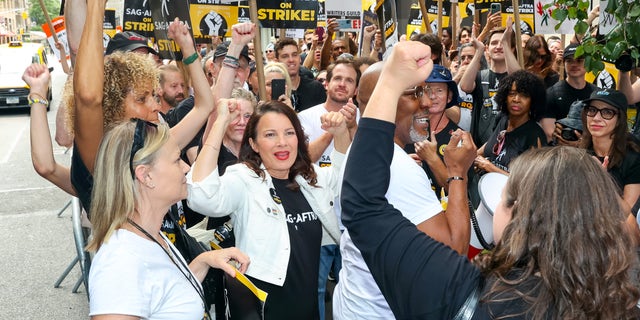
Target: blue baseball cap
{"points": [[440, 74]]}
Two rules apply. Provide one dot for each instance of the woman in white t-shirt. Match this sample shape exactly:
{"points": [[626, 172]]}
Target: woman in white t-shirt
{"points": [[137, 273]]}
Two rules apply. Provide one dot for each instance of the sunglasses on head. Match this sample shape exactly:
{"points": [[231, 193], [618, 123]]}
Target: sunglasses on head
{"points": [[139, 135]]}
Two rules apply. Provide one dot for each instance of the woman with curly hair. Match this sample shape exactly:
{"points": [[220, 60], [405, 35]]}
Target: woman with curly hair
{"points": [[521, 98], [562, 251], [281, 204], [120, 88]]}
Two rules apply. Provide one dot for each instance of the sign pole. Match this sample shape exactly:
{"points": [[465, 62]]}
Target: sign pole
{"points": [[48, 19], [425, 15], [453, 22], [516, 16], [440, 19], [257, 45]]}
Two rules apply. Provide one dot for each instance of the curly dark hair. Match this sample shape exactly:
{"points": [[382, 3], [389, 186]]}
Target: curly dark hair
{"points": [[526, 83], [565, 253], [302, 165]]}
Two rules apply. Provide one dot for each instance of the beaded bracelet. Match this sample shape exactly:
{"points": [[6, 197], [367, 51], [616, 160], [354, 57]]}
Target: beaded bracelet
{"points": [[234, 64], [39, 99], [190, 59]]}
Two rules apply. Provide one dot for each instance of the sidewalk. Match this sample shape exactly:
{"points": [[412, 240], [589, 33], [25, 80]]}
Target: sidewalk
{"points": [[36, 248]]}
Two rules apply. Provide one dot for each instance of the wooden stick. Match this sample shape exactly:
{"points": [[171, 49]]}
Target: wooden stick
{"points": [[563, 38], [440, 18], [257, 48], [425, 15], [516, 17], [48, 19], [453, 23]]}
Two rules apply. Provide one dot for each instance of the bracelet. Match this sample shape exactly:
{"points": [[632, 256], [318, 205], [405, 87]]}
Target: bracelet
{"points": [[190, 59], [233, 64], [39, 99], [231, 57], [454, 178], [211, 146]]}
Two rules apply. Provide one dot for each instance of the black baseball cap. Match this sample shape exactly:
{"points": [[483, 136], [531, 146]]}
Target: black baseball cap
{"points": [[128, 41], [612, 97], [223, 48], [569, 51]]}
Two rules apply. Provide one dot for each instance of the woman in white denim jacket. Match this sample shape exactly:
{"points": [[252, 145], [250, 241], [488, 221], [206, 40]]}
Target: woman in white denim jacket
{"points": [[274, 151]]}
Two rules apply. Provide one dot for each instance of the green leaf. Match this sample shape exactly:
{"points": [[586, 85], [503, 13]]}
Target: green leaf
{"points": [[587, 62], [559, 14], [619, 49], [581, 27], [635, 11], [611, 6], [584, 6], [579, 51], [635, 54], [588, 49], [573, 12], [621, 11], [597, 65]]}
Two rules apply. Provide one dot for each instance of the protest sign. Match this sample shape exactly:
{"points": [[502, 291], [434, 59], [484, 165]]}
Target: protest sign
{"points": [[346, 12], [288, 14], [61, 33], [137, 18], [163, 12]]}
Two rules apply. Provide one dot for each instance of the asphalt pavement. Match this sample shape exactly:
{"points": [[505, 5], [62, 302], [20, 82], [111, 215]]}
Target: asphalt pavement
{"points": [[37, 245]]}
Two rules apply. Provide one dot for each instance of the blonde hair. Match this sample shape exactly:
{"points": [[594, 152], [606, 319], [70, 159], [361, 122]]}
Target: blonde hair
{"points": [[124, 72], [114, 194], [241, 93], [280, 68]]}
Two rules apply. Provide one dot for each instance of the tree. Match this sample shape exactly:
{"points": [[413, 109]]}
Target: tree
{"points": [[620, 45], [37, 15]]}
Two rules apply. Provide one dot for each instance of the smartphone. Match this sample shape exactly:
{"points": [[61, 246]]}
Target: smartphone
{"points": [[496, 7], [320, 33], [277, 88]]}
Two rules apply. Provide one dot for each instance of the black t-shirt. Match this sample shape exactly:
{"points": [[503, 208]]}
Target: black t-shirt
{"points": [[81, 179], [514, 143], [628, 172], [175, 115], [486, 111], [551, 79], [309, 93], [298, 296], [560, 97]]}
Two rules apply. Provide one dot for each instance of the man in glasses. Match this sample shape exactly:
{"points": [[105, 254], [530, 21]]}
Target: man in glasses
{"points": [[357, 295], [564, 93]]}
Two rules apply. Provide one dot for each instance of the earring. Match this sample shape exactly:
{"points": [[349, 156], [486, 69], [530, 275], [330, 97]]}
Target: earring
{"points": [[151, 185]]}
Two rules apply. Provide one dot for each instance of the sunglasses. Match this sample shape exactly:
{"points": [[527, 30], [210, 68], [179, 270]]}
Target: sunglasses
{"points": [[419, 91], [138, 139], [606, 113]]}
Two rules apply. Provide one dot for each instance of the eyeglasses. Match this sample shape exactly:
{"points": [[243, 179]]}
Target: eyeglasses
{"points": [[606, 113], [419, 91], [514, 93], [268, 51], [497, 148], [138, 139]]}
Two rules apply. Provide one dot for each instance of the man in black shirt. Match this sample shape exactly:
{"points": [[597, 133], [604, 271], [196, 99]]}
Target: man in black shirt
{"points": [[307, 92], [562, 94]]}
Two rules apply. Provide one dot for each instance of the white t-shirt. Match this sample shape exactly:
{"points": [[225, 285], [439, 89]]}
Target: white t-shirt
{"points": [[357, 295], [310, 121], [131, 275]]}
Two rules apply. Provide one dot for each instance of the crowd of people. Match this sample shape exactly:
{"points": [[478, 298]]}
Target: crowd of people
{"points": [[361, 170]]}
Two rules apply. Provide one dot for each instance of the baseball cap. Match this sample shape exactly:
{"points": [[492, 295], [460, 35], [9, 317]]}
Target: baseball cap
{"points": [[128, 41], [569, 51], [612, 97], [223, 48], [440, 74]]}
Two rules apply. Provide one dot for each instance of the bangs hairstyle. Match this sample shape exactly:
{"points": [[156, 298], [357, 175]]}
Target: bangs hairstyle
{"points": [[244, 94], [527, 83], [301, 166], [566, 251], [114, 191]]}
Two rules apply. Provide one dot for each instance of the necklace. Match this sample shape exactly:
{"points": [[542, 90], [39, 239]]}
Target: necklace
{"points": [[184, 269]]}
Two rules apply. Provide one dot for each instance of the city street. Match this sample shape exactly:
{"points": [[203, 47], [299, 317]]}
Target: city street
{"points": [[37, 244]]}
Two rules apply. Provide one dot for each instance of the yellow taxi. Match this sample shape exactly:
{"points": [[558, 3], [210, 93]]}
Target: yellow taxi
{"points": [[15, 57]]}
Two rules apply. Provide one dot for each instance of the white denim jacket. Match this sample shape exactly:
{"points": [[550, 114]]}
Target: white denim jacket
{"points": [[259, 223]]}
